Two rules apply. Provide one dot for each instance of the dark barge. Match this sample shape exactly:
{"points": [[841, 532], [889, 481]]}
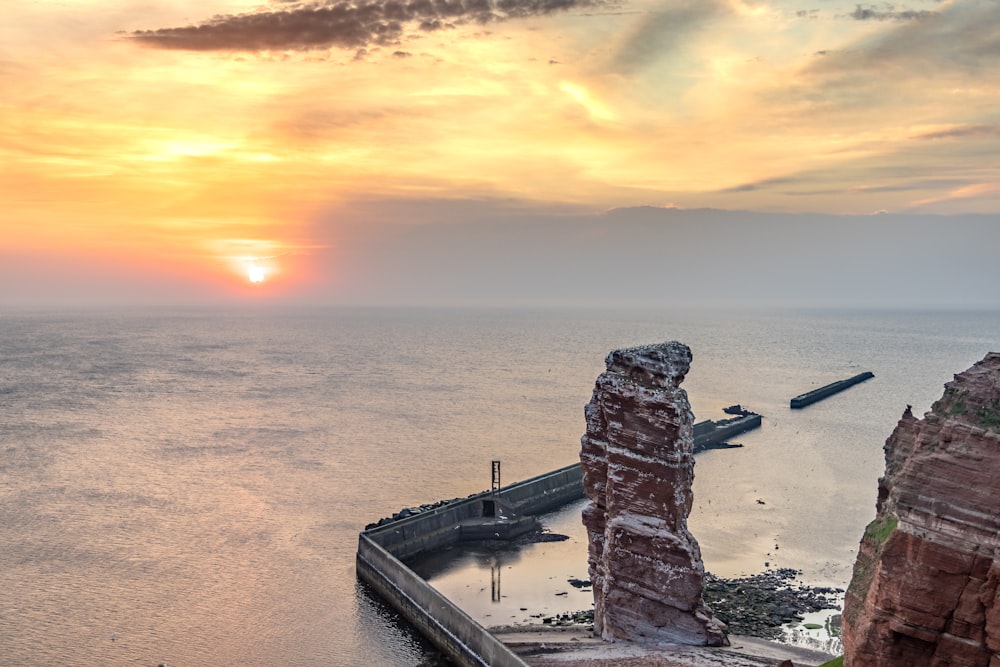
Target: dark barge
{"points": [[810, 397]]}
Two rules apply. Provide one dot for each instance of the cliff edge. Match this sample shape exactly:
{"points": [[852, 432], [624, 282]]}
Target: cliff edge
{"points": [[925, 584]]}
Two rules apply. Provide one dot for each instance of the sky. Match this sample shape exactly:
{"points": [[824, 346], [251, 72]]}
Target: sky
{"points": [[500, 152]]}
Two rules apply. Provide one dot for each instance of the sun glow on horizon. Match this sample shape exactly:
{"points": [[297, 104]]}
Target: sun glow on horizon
{"points": [[256, 274]]}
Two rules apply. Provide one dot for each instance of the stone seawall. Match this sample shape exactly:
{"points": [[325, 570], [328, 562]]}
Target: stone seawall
{"points": [[546, 492], [454, 632], [381, 548], [443, 526], [810, 397]]}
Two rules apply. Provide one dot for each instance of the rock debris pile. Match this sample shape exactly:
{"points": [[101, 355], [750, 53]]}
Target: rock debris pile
{"points": [[759, 605]]}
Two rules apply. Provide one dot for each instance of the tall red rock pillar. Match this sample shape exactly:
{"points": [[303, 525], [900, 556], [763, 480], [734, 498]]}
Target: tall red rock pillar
{"points": [[638, 466], [925, 586]]}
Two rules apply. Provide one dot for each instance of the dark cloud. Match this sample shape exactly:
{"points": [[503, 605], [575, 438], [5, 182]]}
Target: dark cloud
{"points": [[342, 23], [889, 14]]}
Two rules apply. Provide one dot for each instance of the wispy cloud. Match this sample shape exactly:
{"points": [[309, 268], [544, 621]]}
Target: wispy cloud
{"points": [[976, 190], [962, 132], [962, 35], [889, 14], [342, 23], [662, 31], [764, 184]]}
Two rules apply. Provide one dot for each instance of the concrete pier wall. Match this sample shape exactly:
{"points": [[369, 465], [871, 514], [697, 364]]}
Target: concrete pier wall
{"points": [[427, 531], [546, 492], [442, 526], [379, 564], [454, 632], [725, 431], [810, 397], [708, 432]]}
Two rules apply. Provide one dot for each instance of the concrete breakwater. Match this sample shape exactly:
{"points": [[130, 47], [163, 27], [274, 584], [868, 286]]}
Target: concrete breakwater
{"points": [[810, 397], [709, 434], [451, 630], [488, 515]]}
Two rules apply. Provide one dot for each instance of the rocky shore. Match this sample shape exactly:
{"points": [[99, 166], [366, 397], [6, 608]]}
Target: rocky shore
{"points": [[759, 605], [755, 606]]}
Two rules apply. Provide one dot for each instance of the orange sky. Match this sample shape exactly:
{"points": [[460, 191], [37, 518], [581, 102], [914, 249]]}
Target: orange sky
{"points": [[198, 154]]}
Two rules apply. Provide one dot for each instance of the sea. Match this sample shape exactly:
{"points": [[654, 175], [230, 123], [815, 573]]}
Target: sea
{"points": [[186, 487]]}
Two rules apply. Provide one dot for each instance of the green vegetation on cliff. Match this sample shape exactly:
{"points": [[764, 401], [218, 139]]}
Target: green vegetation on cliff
{"points": [[955, 403], [878, 531], [876, 535]]}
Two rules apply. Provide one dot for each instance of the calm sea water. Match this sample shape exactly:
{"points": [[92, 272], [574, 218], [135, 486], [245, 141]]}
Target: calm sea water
{"points": [[188, 487]]}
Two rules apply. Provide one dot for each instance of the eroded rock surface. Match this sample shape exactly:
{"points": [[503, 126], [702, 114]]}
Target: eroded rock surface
{"points": [[925, 584], [638, 467]]}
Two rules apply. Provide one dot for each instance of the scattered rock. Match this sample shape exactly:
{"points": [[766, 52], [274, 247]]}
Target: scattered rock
{"points": [[760, 604], [412, 511], [757, 605]]}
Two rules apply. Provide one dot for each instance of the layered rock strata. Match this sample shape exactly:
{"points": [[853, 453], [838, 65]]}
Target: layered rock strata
{"points": [[638, 467], [925, 585]]}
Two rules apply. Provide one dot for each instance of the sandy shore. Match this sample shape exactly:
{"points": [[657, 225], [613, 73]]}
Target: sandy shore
{"points": [[577, 647]]}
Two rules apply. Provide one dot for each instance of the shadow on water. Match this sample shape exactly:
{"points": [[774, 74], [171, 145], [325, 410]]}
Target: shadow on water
{"points": [[377, 621]]}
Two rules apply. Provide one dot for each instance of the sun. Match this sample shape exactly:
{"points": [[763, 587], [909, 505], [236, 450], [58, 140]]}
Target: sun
{"points": [[255, 274]]}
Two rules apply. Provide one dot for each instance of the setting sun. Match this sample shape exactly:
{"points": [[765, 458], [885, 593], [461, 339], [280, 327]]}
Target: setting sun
{"points": [[256, 274]]}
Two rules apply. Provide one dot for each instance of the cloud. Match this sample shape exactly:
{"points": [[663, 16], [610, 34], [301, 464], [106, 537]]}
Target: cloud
{"points": [[765, 184], [342, 23], [991, 190], [963, 132], [902, 66], [962, 36], [862, 14], [662, 31]]}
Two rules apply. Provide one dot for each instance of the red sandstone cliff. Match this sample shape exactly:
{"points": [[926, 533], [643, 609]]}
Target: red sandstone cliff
{"points": [[638, 466], [925, 586]]}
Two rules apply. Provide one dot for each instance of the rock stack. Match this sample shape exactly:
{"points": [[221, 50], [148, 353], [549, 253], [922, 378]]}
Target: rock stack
{"points": [[927, 579], [638, 467]]}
